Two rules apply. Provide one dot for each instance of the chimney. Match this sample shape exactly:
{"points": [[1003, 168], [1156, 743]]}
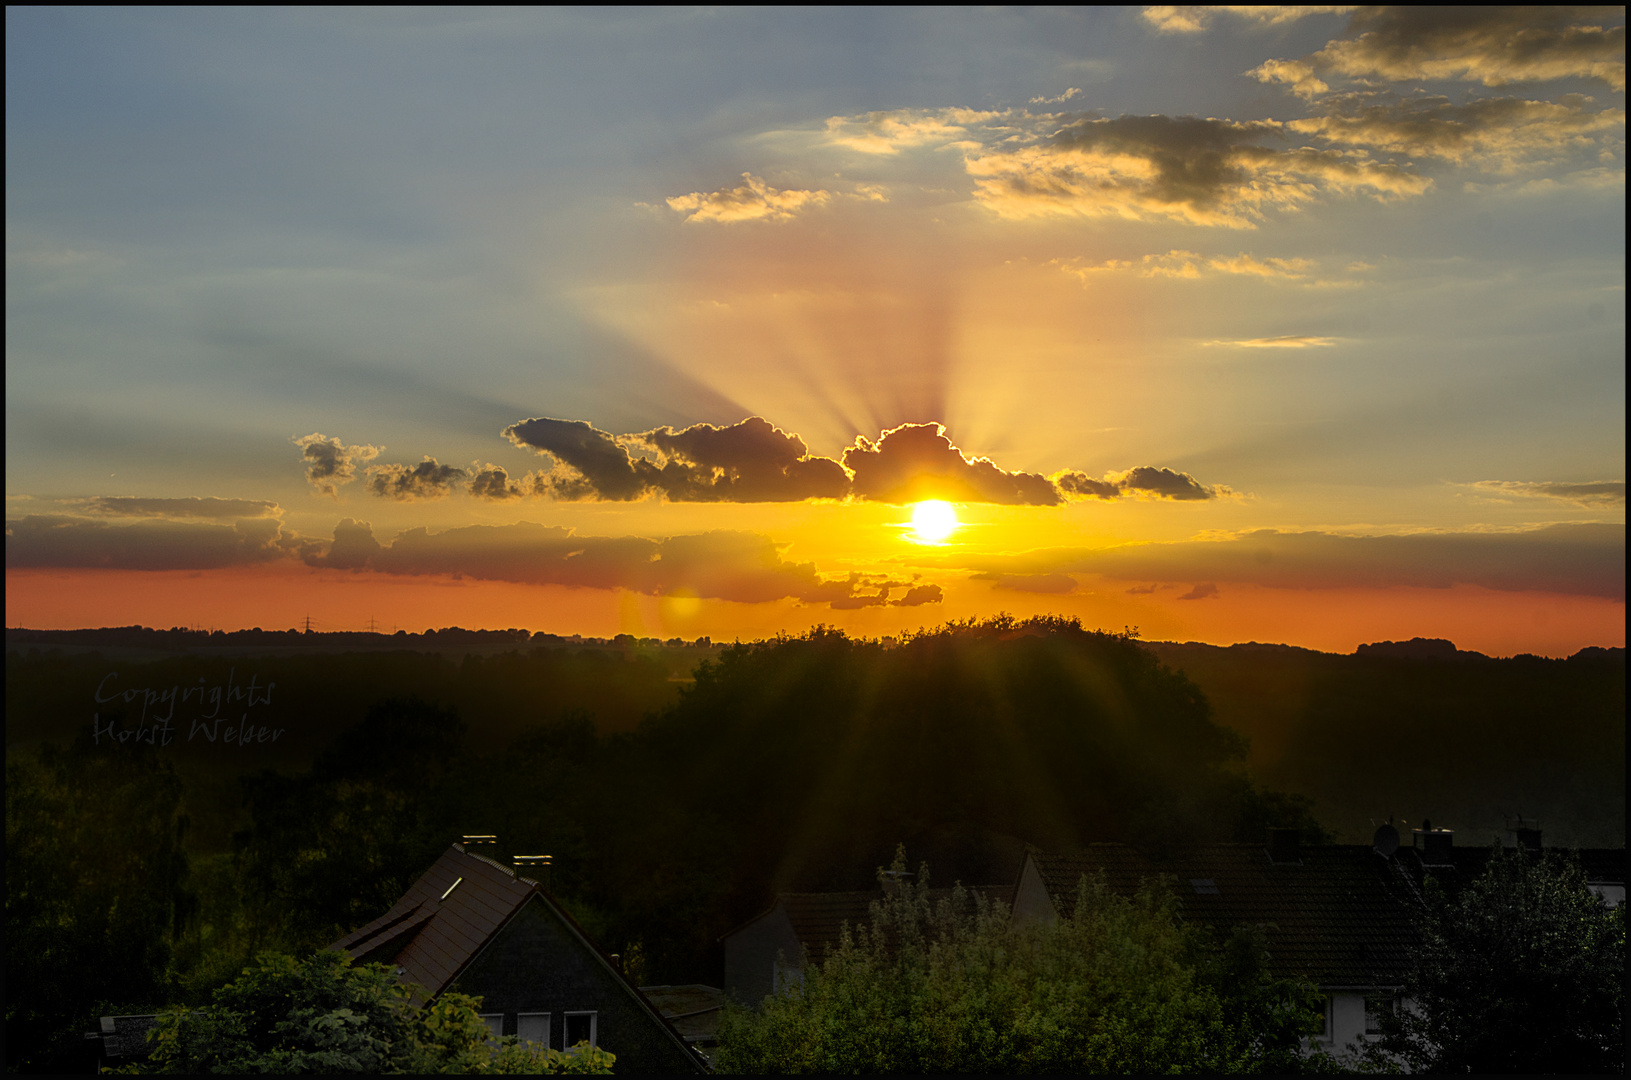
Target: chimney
{"points": [[480, 844], [1527, 833], [1285, 846], [1433, 845], [535, 867], [1386, 840]]}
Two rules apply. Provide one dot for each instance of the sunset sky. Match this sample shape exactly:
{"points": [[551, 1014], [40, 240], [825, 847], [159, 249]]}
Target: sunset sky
{"points": [[1293, 325]]}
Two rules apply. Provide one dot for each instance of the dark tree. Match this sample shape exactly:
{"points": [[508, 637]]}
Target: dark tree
{"points": [[96, 891], [1521, 971]]}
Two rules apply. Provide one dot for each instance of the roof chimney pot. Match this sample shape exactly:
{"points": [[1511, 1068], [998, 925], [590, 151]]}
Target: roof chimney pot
{"points": [[1433, 845], [1527, 832], [535, 867]]}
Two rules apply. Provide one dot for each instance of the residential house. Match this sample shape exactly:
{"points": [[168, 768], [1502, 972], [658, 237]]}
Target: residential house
{"points": [[1342, 917], [1434, 854], [470, 924]]}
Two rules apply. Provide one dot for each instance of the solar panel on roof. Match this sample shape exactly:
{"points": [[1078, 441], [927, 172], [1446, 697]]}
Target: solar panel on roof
{"points": [[1205, 886]]}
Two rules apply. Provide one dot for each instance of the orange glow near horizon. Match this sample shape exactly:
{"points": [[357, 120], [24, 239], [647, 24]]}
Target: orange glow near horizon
{"points": [[1332, 620]]}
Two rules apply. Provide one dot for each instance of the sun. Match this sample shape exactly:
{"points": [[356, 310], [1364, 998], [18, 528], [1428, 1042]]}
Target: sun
{"points": [[933, 521]]}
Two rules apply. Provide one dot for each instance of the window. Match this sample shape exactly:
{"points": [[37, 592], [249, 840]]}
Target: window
{"points": [[579, 1027], [1376, 1007], [1326, 1007], [495, 1025], [533, 1027]]}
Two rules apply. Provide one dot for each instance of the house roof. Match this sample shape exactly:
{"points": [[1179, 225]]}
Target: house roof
{"points": [[449, 916], [693, 1009], [1602, 866], [1340, 916], [444, 919]]}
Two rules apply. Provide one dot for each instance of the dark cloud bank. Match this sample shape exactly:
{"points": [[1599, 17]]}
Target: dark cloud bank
{"points": [[1577, 559], [738, 566], [754, 461], [748, 462]]}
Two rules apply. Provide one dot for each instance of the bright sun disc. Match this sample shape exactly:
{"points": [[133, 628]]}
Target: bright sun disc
{"points": [[933, 521]]}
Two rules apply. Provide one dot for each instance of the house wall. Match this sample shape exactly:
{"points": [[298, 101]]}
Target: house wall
{"points": [[537, 963], [1347, 1023], [1031, 902], [751, 956]]}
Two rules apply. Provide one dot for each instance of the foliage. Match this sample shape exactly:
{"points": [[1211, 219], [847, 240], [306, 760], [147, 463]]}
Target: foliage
{"points": [[956, 986], [1330, 725], [330, 850], [96, 882], [324, 1015], [1521, 970]]}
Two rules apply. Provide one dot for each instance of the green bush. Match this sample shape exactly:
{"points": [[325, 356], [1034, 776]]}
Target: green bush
{"points": [[324, 1015], [957, 986]]}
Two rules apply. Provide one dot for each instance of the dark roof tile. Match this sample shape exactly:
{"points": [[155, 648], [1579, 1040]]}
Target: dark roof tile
{"points": [[1342, 916]]}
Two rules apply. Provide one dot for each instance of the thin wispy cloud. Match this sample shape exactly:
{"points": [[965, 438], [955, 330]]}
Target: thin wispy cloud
{"points": [[1287, 341], [182, 509], [1189, 19], [1596, 494], [751, 200], [1191, 265]]}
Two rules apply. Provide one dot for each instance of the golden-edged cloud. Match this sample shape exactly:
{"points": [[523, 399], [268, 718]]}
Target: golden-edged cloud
{"points": [[754, 461], [1188, 19], [1190, 265], [429, 479], [1144, 482], [1161, 168], [751, 200], [1495, 46], [1500, 134], [917, 461], [890, 132], [330, 463]]}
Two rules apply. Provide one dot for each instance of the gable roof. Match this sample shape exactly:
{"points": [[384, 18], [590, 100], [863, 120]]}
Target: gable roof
{"points": [[1342, 916], [444, 919], [453, 912]]}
